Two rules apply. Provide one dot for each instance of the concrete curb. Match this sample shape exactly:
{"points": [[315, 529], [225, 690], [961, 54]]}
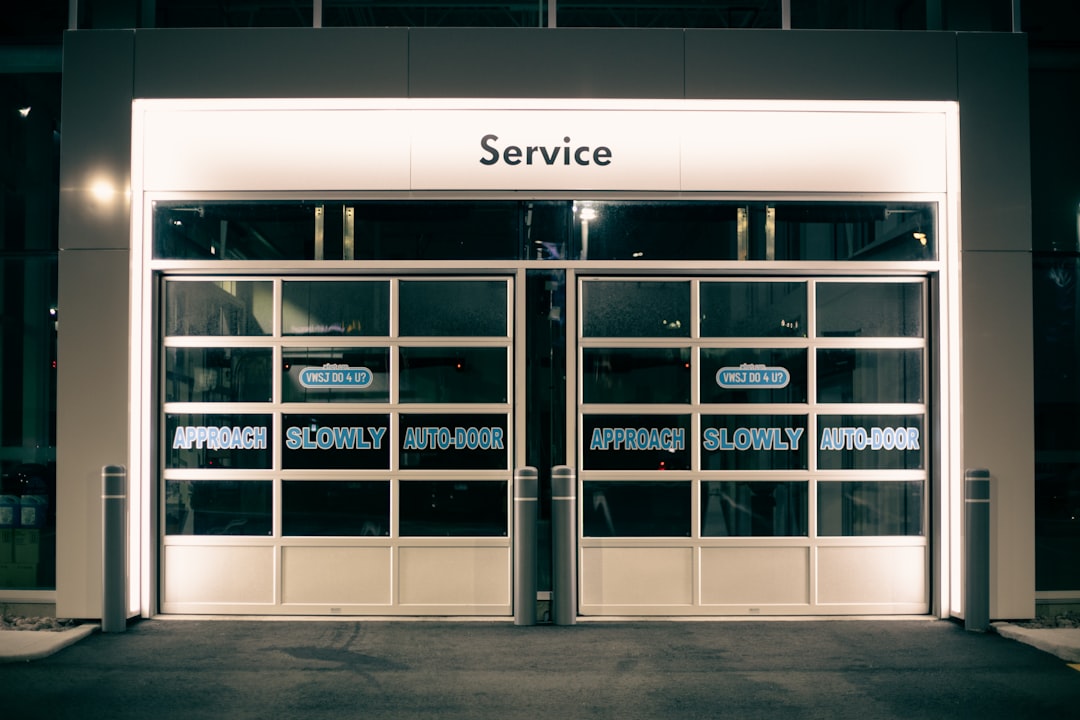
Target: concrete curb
{"points": [[1062, 642], [27, 645]]}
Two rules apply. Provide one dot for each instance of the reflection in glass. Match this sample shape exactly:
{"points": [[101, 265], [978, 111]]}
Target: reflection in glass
{"points": [[869, 376], [863, 508], [636, 509], [871, 442], [444, 308], [218, 374], [635, 375], [451, 508], [298, 385], [613, 308], [713, 360], [219, 308], [753, 509], [218, 507], [341, 508], [869, 309], [647, 231], [753, 309], [335, 308], [453, 375]]}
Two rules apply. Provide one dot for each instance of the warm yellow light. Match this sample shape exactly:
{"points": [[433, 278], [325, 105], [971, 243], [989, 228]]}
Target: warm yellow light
{"points": [[920, 236], [24, 111], [102, 190], [588, 214]]}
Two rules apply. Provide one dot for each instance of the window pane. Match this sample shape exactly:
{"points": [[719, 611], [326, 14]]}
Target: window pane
{"points": [[333, 375], [238, 231], [636, 509], [753, 509], [648, 231], [393, 13], [753, 442], [431, 508], [222, 307], [714, 14], [454, 442], [871, 442], [869, 310], [625, 375], [437, 230], [636, 442], [218, 507], [847, 232], [335, 308], [218, 375], [869, 376], [753, 309], [753, 375], [870, 508], [453, 375], [443, 308], [325, 442], [218, 441], [635, 309], [349, 508], [860, 15]]}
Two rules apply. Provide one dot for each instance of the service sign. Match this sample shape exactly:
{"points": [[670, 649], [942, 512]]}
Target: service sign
{"points": [[333, 441]]}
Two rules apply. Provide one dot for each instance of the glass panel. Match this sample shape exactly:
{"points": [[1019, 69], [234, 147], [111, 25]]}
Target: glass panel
{"points": [[437, 508], [871, 442], [636, 509], [869, 310], [321, 442], [334, 375], [753, 442], [335, 308], [453, 375], [636, 442], [218, 441], [394, 13], [349, 508], [869, 376], [218, 374], [440, 230], [219, 307], [715, 14], [863, 15], [1057, 406], [648, 231], [753, 375], [753, 309], [443, 308], [623, 308], [241, 231], [844, 232], [454, 442], [625, 375], [753, 509], [218, 507], [229, 14], [862, 508]]}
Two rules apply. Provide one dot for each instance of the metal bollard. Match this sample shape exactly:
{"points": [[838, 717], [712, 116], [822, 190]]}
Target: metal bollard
{"points": [[563, 545], [113, 548], [526, 494], [977, 550]]}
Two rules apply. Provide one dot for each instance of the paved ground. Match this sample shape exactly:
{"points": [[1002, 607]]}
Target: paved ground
{"points": [[865, 669]]}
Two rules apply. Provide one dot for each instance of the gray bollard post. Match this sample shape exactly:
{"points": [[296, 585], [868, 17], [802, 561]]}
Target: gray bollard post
{"points": [[113, 548], [526, 495], [563, 545], [977, 550]]}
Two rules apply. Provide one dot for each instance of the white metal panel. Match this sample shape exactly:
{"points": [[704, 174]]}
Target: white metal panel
{"points": [[458, 576], [637, 576], [755, 576], [207, 574], [872, 575], [336, 575]]}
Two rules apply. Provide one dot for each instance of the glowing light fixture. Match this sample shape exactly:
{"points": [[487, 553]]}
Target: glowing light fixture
{"points": [[24, 111], [920, 236], [102, 190]]}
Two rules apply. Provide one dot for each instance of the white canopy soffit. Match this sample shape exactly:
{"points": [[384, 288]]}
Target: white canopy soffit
{"points": [[678, 146]]}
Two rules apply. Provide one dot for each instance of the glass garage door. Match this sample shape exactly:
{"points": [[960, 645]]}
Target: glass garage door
{"points": [[336, 445], [752, 446]]}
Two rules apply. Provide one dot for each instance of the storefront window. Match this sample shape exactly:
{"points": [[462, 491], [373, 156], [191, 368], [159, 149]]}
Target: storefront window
{"points": [[863, 508], [636, 509], [753, 509]]}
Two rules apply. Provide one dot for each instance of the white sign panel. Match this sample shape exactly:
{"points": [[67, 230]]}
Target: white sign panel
{"points": [[668, 146]]}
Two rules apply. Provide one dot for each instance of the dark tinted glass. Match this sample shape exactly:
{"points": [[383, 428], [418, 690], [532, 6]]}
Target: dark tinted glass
{"points": [[859, 309], [635, 375], [231, 308], [753, 309], [218, 507], [631, 308], [636, 509], [869, 376], [753, 509], [335, 308], [716, 14], [218, 375], [393, 13], [649, 231], [349, 508], [870, 508], [443, 308], [453, 508], [453, 375], [753, 375]]}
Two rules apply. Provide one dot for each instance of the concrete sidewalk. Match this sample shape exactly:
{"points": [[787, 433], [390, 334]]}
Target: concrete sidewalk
{"points": [[21, 646]]}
